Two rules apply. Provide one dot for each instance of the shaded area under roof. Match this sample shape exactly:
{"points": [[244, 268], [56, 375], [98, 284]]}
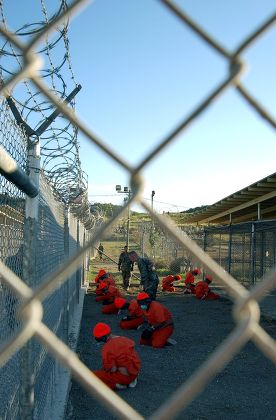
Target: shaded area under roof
{"points": [[255, 202]]}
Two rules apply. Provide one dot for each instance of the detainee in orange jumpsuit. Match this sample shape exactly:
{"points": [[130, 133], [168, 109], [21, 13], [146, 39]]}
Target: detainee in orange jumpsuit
{"points": [[202, 290], [134, 317], [108, 297], [167, 283], [103, 276], [120, 361], [189, 287], [160, 323]]}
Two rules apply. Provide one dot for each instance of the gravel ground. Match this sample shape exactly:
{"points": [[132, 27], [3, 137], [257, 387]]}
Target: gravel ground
{"points": [[245, 389]]}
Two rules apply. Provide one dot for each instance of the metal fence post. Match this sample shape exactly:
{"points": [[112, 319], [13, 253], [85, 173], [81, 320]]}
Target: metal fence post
{"points": [[29, 263], [78, 273], [253, 254], [66, 285], [143, 241], [204, 240], [230, 250]]}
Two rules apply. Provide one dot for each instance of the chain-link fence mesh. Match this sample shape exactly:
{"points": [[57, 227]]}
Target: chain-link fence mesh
{"points": [[43, 331], [246, 251]]}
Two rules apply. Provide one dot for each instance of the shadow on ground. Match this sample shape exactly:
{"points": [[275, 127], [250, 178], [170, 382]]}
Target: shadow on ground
{"points": [[245, 389]]}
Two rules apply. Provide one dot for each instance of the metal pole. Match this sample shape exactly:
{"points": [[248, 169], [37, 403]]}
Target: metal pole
{"points": [[152, 195], [78, 273], [230, 250], [13, 173], [128, 220], [27, 361], [253, 255], [259, 211], [66, 285], [152, 226]]}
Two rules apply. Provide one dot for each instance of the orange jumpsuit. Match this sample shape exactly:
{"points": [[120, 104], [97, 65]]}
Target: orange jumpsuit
{"points": [[108, 300], [202, 291], [135, 316], [107, 278], [189, 286], [167, 284], [159, 317], [121, 362]]}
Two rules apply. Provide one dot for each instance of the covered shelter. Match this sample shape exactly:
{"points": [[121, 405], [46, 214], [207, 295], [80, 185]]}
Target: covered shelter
{"points": [[252, 203]]}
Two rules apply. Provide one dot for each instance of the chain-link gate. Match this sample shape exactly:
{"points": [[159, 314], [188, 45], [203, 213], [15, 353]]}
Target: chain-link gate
{"points": [[35, 327]]}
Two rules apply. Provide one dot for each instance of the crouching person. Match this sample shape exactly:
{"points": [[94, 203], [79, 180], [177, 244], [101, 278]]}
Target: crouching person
{"points": [[189, 287], [120, 361], [134, 317], [105, 277], [203, 291], [159, 322], [167, 283], [109, 293]]}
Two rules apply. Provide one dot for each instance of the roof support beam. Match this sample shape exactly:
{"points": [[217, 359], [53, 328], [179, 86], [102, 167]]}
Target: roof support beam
{"points": [[241, 207]]}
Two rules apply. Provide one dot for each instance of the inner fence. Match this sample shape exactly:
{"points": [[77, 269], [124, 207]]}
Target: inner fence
{"points": [[44, 276]]}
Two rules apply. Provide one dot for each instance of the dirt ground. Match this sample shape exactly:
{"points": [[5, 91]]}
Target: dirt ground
{"points": [[245, 389]]}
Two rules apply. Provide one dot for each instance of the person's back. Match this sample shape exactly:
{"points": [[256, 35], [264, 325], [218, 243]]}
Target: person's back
{"points": [[120, 351], [135, 315], [149, 278], [157, 313], [201, 289], [189, 281], [121, 363], [159, 319], [167, 282], [124, 261]]}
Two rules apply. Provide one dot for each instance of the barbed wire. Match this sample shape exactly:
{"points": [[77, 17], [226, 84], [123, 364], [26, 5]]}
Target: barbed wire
{"points": [[59, 142]]}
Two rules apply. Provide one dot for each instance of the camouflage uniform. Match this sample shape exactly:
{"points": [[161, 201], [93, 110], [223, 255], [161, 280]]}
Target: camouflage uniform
{"points": [[100, 251], [149, 278], [126, 266]]}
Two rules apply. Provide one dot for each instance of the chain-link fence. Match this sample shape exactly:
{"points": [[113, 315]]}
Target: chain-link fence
{"points": [[37, 236], [46, 332], [246, 250], [156, 244]]}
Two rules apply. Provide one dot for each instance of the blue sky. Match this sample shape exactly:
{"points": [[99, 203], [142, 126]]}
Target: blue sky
{"points": [[143, 71]]}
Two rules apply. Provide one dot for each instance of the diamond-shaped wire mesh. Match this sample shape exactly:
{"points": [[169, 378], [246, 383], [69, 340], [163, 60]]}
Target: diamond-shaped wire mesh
{"points": [[48, 336]]}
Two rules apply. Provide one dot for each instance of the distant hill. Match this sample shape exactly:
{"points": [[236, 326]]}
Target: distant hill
{"points": [[194, 209]]}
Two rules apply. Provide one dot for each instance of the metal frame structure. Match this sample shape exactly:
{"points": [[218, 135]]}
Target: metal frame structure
{"points": [[255, 202]]}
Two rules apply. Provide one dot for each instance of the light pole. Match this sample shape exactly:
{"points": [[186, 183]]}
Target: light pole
{"points": [[152, 225], [152, 195], [126, 191]]}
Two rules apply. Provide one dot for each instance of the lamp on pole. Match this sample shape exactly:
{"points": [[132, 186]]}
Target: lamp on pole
{"points": [[126, 191]]}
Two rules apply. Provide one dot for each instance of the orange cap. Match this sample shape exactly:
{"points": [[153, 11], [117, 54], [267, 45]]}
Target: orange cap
{"points": [[100, 274], [177, 277], [119, 302], [101, 329], [142, 296]]}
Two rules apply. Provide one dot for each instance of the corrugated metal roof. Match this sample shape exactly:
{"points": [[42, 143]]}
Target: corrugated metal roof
{"points": [[255, 202]]}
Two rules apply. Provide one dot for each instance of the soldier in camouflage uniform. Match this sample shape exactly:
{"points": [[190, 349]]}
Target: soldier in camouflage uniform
{"points": [[149, 278], [126, 266]]}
